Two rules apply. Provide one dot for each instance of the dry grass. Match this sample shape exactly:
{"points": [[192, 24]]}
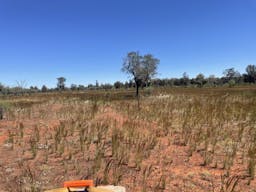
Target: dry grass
{"points": [[103, 136]]}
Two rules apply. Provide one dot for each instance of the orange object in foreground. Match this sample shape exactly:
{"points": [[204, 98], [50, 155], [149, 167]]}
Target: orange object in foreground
{"points": [[79, 183]]}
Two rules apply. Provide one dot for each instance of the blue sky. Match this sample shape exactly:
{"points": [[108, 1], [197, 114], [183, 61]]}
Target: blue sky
{"points": [[86, 40]]}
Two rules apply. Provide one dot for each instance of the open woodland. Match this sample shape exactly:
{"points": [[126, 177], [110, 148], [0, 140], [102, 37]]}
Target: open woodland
{"points": [[180, 139]]}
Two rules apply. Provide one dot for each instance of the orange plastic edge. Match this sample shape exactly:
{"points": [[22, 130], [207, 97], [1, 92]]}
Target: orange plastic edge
{"points": [[79, 183]]}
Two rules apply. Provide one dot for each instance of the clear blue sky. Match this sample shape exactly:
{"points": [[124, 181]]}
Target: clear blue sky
{"points": [[86, 40]]}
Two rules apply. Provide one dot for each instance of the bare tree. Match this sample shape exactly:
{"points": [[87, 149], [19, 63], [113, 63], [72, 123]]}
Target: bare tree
{"points": [[21, 86]]}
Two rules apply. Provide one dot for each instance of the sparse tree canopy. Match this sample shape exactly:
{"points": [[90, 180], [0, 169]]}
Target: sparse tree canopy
{"points": [[150, 65], [251, 72], [141, 68], [211, 80], [61, 83], [44, 88], [118, 85], [231, 73], [185, 79], [73, 87], [200, 79]]}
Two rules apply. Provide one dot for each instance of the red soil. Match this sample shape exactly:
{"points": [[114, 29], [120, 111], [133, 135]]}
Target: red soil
{"points": [[172, 168]]}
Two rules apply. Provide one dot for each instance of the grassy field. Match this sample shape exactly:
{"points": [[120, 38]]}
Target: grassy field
{"points": [[180, 139]]}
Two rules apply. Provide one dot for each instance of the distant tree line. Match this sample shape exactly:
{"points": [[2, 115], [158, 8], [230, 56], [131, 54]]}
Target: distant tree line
{"points": [[230, 78]]}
